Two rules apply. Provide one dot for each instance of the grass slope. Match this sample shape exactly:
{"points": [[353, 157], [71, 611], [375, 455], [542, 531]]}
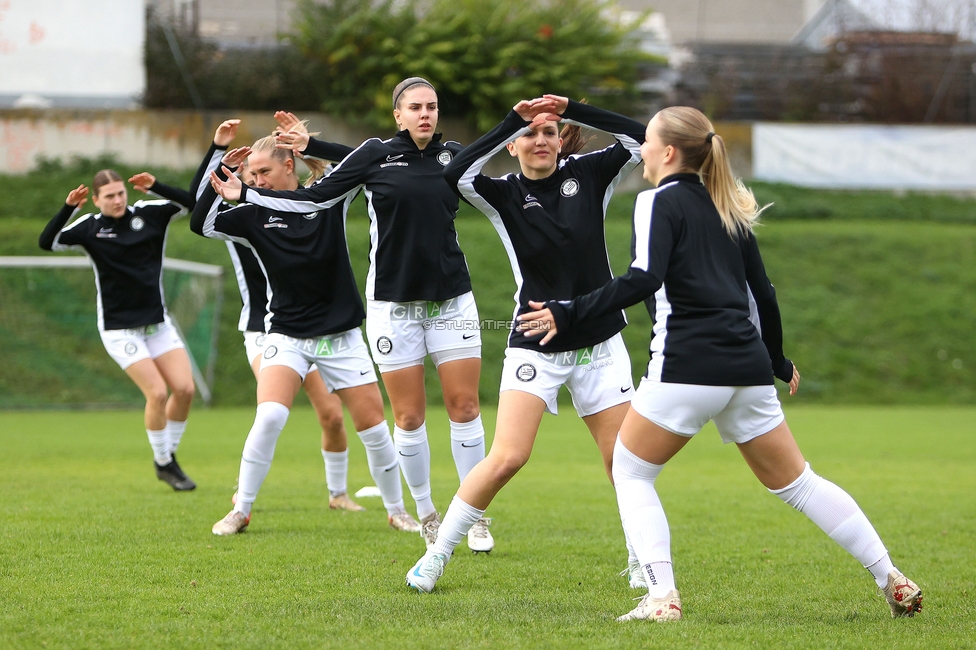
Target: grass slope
{"points": [[98, 554]]}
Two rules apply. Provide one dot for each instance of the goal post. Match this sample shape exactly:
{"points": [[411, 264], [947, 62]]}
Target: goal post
{"points": [[51, 354]]}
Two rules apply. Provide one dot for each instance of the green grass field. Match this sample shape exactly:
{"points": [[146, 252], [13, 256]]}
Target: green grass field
{"points": [[96, 553]]}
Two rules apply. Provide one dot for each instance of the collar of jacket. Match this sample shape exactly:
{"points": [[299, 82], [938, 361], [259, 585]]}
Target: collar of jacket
{"points": [[403, 138], [688, 177]]}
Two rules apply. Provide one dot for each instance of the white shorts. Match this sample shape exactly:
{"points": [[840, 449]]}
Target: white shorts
{"points": [[138, 343], [597, 377], [401, 334], [254, 345], [342, 359], [741, 413]]}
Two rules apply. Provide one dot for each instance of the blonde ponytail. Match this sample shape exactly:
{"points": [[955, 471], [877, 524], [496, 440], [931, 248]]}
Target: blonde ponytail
{"points": [[690, 132], [317, 168]]}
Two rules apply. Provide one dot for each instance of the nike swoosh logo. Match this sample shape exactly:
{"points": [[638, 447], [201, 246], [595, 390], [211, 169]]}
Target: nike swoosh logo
{"points": [[408, 455], [624, 390], [392, 158], [470, 446], [468, 336], [273, 219], [363, 372]]}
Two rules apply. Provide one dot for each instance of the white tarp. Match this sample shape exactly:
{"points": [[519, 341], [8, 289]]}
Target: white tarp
{"points": [[865, 156], [63, 49]]}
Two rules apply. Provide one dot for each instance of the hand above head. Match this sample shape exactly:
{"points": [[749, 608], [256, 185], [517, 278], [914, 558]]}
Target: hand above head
{"points": [[77, 197], [226, 132], [229, 190], [143, 181], [235, 157], [529, 109], [297, 141], [286, 121], [535, 323], [560, 104]]}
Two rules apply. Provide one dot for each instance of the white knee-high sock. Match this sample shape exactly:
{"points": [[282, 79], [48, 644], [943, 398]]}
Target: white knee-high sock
{"points": [[259, 448], [642, 515], [159, 442], [336, 471], [838, 515], [174, 432], [467, 445], [459, 518], [414, 456], [383, 466]]}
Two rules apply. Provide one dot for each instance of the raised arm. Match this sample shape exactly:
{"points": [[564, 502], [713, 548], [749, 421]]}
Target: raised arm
{"points": [[348, 176], [204, 216], [146, 182], [770, 324], [463, 173], [49, 236], [292, 134], [654, 237]]}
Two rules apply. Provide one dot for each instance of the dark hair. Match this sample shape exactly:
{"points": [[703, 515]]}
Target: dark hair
{"points": [[573, 140], [103, 178], [407, 83]]}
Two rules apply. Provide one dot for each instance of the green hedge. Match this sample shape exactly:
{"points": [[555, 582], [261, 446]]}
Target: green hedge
{"points": [[878, 292]]}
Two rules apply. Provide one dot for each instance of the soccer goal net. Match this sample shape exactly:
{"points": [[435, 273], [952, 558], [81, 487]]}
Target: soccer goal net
{"points": [[52, 355]]}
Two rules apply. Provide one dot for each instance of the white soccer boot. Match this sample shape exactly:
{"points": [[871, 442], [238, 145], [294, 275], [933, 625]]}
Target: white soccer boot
{"points": [[903, 596], [479, 538], [235, 522], [403, 521], [634, 575], [425, 573], [656, 609], [429, 526]]}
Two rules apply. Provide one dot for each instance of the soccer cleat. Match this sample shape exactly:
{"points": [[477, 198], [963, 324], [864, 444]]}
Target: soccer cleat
{"points": [[635, 575], [403, 521], [479, 539], [172, 474], [235, 522], [425, 573], [429, 527], [343, 502], [656, 609], [903, 596]]}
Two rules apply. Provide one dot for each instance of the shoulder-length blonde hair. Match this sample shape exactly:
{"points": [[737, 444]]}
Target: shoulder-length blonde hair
{"points": [[692, 134]]}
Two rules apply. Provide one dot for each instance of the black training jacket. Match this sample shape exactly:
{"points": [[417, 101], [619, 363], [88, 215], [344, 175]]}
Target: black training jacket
{"points": [[414, 251], [716, 319], [552, 228]]}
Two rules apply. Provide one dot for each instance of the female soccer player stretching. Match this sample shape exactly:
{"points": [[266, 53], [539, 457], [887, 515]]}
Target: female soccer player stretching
{"points": [[715, 349], [126, 246], [314, 313], [418, 291], [558, 203], [254, 290]]}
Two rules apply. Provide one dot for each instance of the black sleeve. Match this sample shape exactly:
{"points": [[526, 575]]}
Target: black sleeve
{"points": [[764, 294], [326, 150], [654, 238], [205, 211], [174, 194], [348, 176], [210, 162], [54, 226], [611, 162], [463, 173]]}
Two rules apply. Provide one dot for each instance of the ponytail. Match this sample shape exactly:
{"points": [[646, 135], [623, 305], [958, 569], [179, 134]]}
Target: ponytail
{"points": [[317, 168], [690, 132], [573, 140]]}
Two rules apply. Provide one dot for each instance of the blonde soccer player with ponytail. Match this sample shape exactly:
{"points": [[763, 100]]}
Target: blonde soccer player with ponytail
{"points": [[312, 322], [715, 349]]}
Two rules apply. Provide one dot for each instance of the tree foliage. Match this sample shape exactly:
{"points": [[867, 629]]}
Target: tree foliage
{"points": [[481, 55]]}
